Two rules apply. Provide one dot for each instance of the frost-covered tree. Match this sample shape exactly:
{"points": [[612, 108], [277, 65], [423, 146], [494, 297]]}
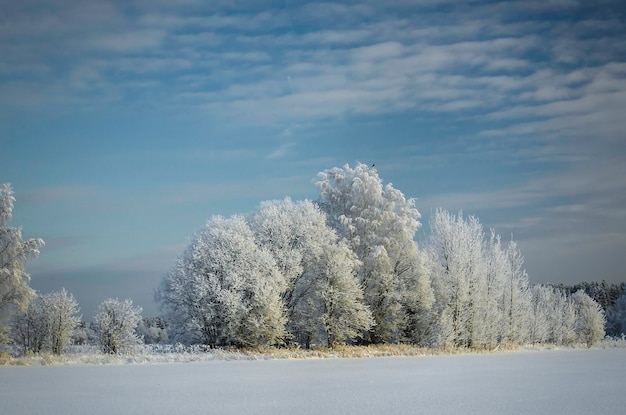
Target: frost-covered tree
{"points": [[30, 327], [153, 330], [554, 319], [115, 325], [589, 319], [516, 298], [482, 291], [224, 289], [379, 224], [14, 252], [495, 275], [322, 296], [459, 276], [48, 323], [564, 319], [81, 333], [541, 309], [62, 313], [343, 313]]}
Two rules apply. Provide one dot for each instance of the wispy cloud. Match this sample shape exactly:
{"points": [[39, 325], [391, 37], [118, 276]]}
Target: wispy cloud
{"points": [[535, 87]]}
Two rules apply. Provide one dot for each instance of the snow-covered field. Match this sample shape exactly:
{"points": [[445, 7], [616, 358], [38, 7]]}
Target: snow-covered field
{"points": [[532, 382]]}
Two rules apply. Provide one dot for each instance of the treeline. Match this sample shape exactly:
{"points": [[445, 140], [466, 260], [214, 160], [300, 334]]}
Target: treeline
{"points": [[347, 269], [344, 269]]}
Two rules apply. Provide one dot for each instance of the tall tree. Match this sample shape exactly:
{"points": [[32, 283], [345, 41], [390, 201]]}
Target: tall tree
{"points": [[379, 224], [589, 318], [15, 292], [459, 276], [516, 298], [62, 313], [541, 308], [481, 288], [322, 296]]}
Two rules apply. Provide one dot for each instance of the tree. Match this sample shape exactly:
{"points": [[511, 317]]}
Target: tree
{"points": [[343, 313], [618, 317], [14, 290], [153, 330], [541, 308], [482, 291], [224, 290], [30, 328], [322, 297], [589, 318], [516, 298], [379, 224], [560, 316], [48, 323], [459, 276], [62, 313], [115, 324]]}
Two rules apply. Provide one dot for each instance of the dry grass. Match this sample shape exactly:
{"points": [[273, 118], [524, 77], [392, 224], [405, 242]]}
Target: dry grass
{"points": [[179, 353], [379, 350]]}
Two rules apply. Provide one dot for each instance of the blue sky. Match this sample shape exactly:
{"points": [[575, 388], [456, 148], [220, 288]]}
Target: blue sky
{"points": [[124, 125]]}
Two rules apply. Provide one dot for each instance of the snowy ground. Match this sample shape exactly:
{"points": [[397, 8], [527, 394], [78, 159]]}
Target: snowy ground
{"points": [[532, 382]]}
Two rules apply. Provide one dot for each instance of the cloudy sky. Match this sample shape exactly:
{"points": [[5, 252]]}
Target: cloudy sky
{"points": [[124, 125]]}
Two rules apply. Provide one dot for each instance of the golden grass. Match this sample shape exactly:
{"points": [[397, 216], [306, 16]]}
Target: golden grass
{"points": [[378, 350], [261, 353]]}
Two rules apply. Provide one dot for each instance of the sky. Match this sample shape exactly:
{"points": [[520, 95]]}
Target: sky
{"points": [[125, 125]]}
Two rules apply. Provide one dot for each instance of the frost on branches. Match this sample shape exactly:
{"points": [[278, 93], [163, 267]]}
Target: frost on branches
{"points": [[379, 224], [322, 297], [14, 290], [483, 297], [224, 290], [279, 276], [115, 324], [48, 323], [347, 269]]}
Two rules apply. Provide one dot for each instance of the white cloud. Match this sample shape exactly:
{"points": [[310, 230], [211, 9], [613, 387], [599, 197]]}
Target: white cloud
{"points": [[127, 41]]}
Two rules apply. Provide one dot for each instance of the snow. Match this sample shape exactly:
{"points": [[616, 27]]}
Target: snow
{"points": [[531, 382]]}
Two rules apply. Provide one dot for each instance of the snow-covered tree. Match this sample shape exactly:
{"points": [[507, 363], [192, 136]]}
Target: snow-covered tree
{"points": [[482, 291], [153, 330], [14, 252], [516, 298], [496, 268], [48, 323], [554, 319], [563, 319], [459, 275], [81, 333], [589, 319], [541, 309], [62, 313], [30, 328], [322, 296], [379, 224], [115, 324], [224, 290]]}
